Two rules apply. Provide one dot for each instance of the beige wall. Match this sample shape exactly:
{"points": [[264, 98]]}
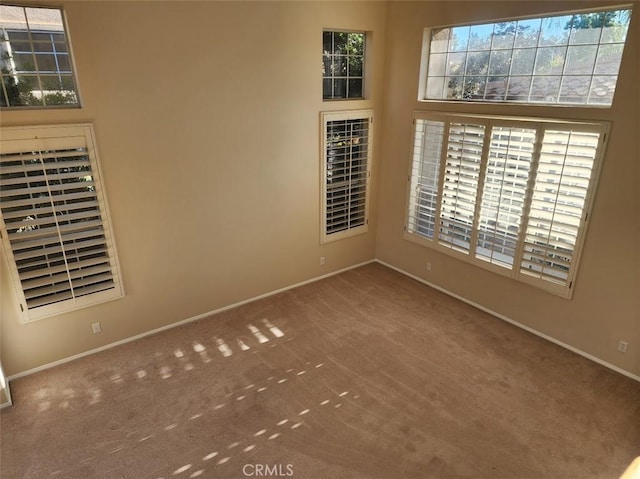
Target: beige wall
{"points": [[207, 121], [605, 305]]}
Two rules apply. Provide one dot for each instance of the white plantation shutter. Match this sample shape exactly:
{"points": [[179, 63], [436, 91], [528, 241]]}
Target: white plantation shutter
{"points": [[346, 165], [503, 196], [511, 195], [54, 225], [424, 178], [460, 185], [557, 211]]}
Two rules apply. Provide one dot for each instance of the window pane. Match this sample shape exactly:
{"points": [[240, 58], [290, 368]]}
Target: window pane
{"points": [[340, 42], [545, 89], [555, 30], [589, 34], [602, 88], [459, 39], [355, 88], [523, 61], [504, 35], [35, 36], [457, 63], [574, 89], [480, 37], [340, 88], [496, 89], [339, 67], [477, 63], [609, 58], [580, 60], [518, 89], [527, 33], [499, 63], [440, 40], [550, 61], [327, 88], [437, 64], [435, 87], [355, 66], [327, 42]]}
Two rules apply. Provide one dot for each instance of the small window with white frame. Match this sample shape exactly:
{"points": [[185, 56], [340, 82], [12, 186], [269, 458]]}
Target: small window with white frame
{"points": [[343, 57], [54, 224], [346, 171], [35, 59], [560, 59], [508, 195]]}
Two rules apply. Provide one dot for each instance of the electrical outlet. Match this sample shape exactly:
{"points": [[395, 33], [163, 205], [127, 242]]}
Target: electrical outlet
{"points": [[96, 328], [428, 266], [321, 259], [622, 346]]}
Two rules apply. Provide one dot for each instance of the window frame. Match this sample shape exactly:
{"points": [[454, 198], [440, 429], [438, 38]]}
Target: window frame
{"points": [[426, 47], [56, 134], [363, 76], [541, 124], [325, 118], [37, 72]]}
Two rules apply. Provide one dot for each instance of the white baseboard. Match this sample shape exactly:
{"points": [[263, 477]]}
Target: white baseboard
{"points": [[515, 323], [312, 280], [179, 323]]}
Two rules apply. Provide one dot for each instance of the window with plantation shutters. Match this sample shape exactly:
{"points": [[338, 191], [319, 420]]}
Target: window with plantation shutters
{"points": [[55, 230], [509, 195], [346, 162]]}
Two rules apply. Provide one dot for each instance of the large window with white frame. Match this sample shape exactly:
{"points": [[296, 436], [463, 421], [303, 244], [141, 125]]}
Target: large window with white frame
{"points": [[35, 59], [560, 59], [346, 170], [56, 233], [509, 195]]}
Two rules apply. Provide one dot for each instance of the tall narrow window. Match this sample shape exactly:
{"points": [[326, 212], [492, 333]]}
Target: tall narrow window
{"points": [[35, 59], [509, 195], [346, 163], [343, 65], [54, 225]]}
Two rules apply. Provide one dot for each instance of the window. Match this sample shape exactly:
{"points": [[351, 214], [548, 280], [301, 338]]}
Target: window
{"points": [[54, 225], [346, 163], [510, 195], [35, 62], [342, 65], [569, 59]]}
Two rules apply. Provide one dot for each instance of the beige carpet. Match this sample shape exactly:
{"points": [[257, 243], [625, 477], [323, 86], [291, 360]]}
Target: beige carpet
{"points": [[367, 374]]}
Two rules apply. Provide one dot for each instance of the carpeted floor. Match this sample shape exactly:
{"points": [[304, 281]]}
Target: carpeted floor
{"points": [[367, 374]]}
